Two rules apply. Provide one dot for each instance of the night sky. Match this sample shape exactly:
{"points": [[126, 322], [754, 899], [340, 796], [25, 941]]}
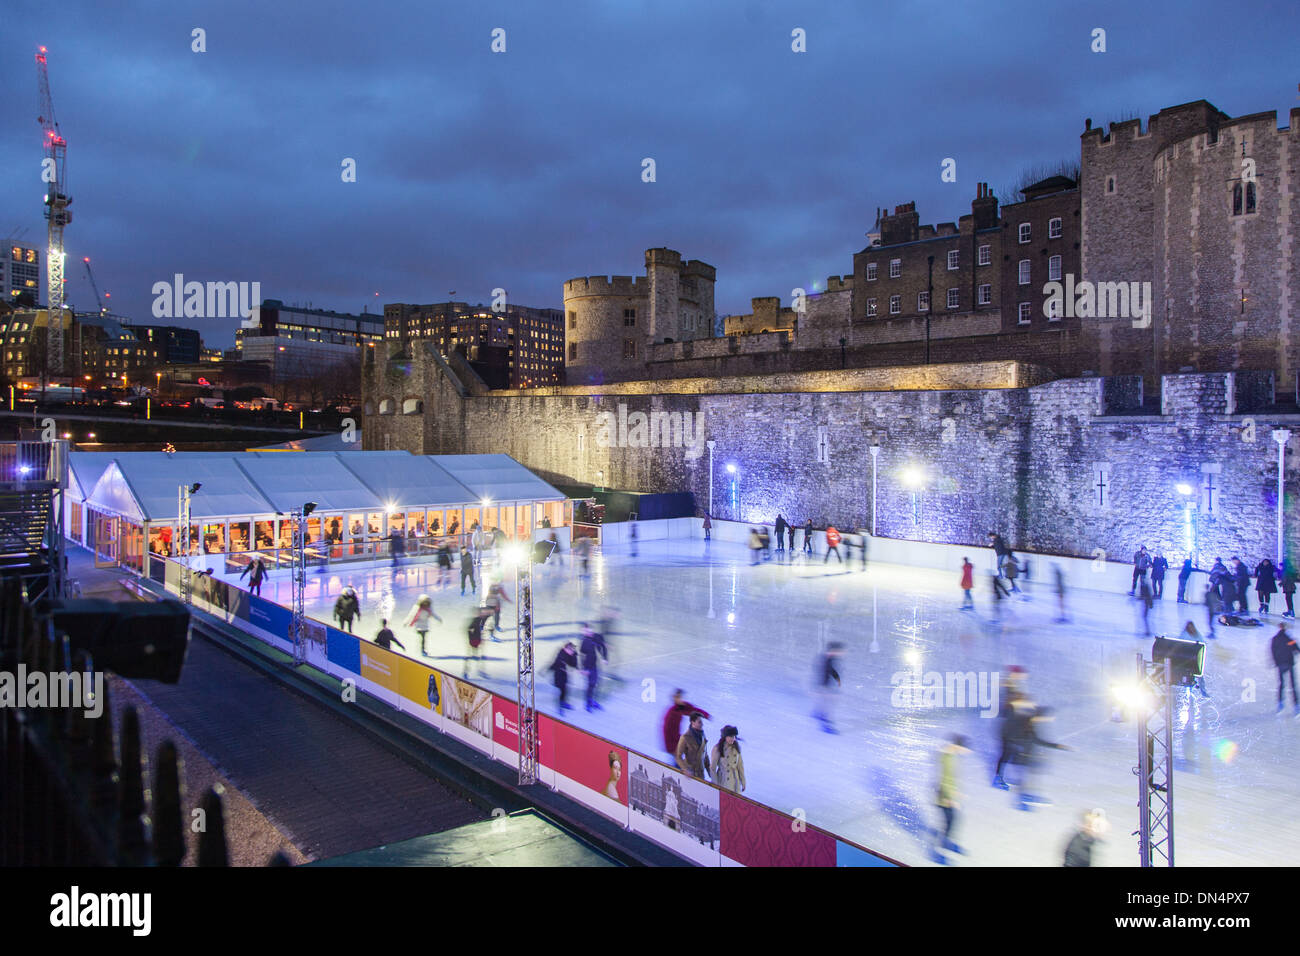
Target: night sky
{"points": [[523, 169]]}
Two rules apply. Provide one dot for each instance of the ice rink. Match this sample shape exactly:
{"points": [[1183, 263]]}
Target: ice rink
{"points": [[743, 641]]}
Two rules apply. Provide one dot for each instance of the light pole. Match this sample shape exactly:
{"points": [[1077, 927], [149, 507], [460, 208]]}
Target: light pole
{"points": [[526, 694], [1189, 523], [735, 490], [1281, 436], [914, 478], [297, 625], [875, 453], [712, 444]]}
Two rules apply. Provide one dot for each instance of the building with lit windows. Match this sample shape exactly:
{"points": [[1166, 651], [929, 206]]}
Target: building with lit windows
{"points": [[518, 347], [20, 274]]}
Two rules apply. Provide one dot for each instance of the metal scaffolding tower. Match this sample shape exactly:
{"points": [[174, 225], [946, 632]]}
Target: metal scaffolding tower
{"points": [[183, 544], [1156, 764], [297, 629], [527, 698], [57, 200]]}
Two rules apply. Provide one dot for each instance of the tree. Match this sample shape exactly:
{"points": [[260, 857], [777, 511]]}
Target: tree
{"points": [[1014, 191]]}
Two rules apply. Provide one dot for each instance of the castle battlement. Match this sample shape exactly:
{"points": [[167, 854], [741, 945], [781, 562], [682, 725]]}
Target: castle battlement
{"points": [[606, 285]]}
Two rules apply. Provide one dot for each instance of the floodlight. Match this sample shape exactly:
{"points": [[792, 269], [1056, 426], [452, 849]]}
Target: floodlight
{"points": [[1186, 658], [308, 508], [1183, 488]]}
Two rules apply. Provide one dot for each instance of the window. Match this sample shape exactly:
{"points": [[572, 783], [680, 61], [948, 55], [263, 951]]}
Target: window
{"points": [[1024, 313], [985, 256], [1054, 269], [1026, 232], [1250, 198], [871, 306], [985, 294], [1054, 309], [573, 351], [823, 444], [954, 298], [573, 321], [895, 268], [1024, 272], [629, 349], [895, 304], [412, 406], [871, 272], [1110, 184], [923, 302], [386, 406], [1054, 228], [952, 259], [629, 316]]}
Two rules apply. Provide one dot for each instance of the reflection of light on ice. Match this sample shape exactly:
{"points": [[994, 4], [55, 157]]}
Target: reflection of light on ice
{"points": [[1225, 750]]}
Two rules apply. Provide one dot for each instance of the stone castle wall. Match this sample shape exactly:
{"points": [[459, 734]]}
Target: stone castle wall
{"points": [[1023, 457]]}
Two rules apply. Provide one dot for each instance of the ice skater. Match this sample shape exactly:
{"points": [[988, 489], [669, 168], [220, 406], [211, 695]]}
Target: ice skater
{"points": [[1284, 651], [779, 529], [807, 537], [492, 602], [1265, 584], [1213, 606], [755, 545], [386, 638], [967, 583], [1000, 549], [631, 534], [832, 544], [1011, 571], [672, 723], [592, 649], [1058, 582], [1027, 722], [1288, 581], [346, 608], [790, 534], [948, 798], [728, 765], [1184, 575], [1141, 565], [1091, 830], [863, 539], [692, 749], [1145, 603], [474, 634], [828, 683], [467, 571], [396, 547], [256, 572], [708, 527], [608, 622], [1241, 583], [1015, 695], [1159, 565], [419, 619], [566, 658]]}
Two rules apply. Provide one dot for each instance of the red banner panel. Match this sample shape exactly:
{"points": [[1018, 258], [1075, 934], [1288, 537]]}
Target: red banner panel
{"points": [[756, 836]]}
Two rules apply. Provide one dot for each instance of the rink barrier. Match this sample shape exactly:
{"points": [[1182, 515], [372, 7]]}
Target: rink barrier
{"points": [[700, 822], [1113, 575]]}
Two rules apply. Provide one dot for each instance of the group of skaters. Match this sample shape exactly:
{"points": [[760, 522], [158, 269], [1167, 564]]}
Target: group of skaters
{"points": [[760, 542], [1022, 724], [585, 656], [690, 749]]}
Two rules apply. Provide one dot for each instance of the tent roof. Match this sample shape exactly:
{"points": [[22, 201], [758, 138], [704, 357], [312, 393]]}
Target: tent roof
{"points": [[143, 485], [497, 478]]}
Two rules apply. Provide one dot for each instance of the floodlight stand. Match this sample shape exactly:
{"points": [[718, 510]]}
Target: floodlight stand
{"points": [[527, 696], [1156, 765], [183, 543], [298, 573]]}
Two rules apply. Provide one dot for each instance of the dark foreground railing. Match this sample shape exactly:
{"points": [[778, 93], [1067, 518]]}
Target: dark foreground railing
{"points": [[75, 790]]}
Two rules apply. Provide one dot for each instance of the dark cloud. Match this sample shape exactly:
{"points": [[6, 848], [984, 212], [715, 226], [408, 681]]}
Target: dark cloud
{"points": [[521, 170]]}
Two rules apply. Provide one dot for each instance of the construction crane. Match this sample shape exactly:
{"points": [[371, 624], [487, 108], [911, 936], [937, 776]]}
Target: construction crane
{"points": [[91, 276], [57, 200]]}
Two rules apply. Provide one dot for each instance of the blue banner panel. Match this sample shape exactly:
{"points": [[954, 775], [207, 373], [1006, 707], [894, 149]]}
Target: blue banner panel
{"points": [[846, 854], [268, 616], [343, 650]]}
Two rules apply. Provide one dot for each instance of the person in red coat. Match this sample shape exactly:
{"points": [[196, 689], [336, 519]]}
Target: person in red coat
{"points": [[967, 582], [673, 719]]}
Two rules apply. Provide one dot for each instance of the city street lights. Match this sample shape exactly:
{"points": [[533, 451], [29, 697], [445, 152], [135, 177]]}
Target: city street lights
{"points": [[1281, 436], [1189, 522], [875, 453]]}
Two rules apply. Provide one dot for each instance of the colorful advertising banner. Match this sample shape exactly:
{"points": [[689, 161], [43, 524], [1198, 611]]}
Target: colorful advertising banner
{"points": [[671, 808], [468, 710], [269, 617], [590, 769], [754, 835], [342, 650], [420, 686], [505, 737], [379, 667]]}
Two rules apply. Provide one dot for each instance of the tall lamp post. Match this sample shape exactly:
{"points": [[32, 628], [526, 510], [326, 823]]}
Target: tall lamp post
{"points": [[875, 453], [297, 624], [526, 694], [1281, 436], [711, 444], [914, 478], [735, 490], [1189, 521]]}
